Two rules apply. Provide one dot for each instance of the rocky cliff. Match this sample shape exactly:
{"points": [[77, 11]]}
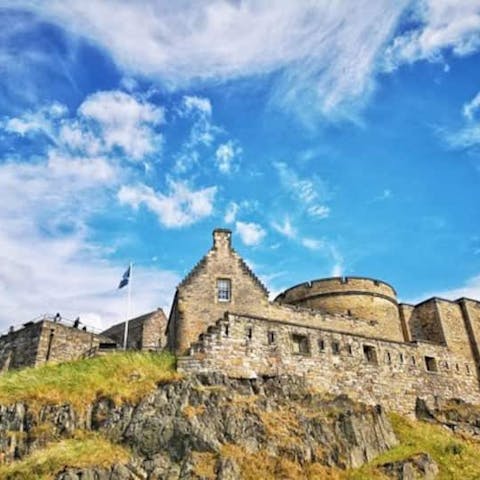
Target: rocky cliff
{"points": [[211, 427]]}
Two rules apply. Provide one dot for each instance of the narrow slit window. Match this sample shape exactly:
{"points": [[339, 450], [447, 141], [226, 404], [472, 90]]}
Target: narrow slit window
{"points": [[431, 364], [249, 333], [321, 344], [224, 289], [335, 348], [271, 338], [349, 349]]}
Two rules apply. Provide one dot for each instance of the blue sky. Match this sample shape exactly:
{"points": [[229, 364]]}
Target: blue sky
{"points": [[331, 138]]}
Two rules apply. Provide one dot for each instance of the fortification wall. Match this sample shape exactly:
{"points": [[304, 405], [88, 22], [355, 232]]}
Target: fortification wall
{"points": [[359, 297], [45, 341], [370, 370], [144, 332], [18, 349]]}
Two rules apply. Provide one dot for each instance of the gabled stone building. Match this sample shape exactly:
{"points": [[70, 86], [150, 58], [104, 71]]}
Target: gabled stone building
{"points": [[346, 334]]}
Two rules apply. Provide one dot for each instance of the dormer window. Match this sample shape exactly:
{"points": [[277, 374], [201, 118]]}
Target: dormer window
{"points": [[224, 290]]}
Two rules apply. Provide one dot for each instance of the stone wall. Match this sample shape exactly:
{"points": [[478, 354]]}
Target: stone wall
{"points": [[146, 332], [44, 341], [196, 304], [356, 296], [367, 369]]}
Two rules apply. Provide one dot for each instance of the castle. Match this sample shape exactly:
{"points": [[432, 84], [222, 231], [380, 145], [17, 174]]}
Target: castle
{"points": [[344, 335]]}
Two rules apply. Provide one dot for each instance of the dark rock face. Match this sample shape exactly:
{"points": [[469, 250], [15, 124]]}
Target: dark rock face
{"points": [[184, 428], [417, 466], [455, 414]]}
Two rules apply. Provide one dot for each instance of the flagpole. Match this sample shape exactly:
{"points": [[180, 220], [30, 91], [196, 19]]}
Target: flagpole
{"points": [[129, 306]]}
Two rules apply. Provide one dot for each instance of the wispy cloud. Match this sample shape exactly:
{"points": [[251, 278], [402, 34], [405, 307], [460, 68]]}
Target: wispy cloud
{"points": [[441, 25], [226, 155], [325, 53], [311, 193], [469, 135]]}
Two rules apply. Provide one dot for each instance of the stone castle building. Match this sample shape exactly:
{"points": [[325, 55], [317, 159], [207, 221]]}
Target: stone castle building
{"points": [[52, 339], [346, 335]]}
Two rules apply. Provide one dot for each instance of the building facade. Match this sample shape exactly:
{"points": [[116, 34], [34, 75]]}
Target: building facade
{"points": [[347, 335]]}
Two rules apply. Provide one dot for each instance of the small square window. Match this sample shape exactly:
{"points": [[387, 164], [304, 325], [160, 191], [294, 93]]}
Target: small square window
{"points": [[224, 289], [300, 344], [370, 354], [271, 338], [335, 348]]}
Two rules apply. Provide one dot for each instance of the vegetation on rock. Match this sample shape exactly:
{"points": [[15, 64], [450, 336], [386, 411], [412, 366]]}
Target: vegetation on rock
{"points": [[123, 377]]}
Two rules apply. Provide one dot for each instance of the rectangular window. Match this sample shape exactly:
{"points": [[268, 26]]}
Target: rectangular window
{"points": [[335, 348], [271, 338], [300, 344], [349, 349], [224, 290], [431, 364], [249, 333], [321, 345], [370, 354]]}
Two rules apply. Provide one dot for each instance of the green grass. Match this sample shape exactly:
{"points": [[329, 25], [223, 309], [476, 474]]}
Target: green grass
{"points": [[121, 376], [89, 451], [457, 457]]}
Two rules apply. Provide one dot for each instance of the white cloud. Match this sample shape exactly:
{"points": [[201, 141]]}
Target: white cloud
{"points": [[231, 212], [312, 244], [452, 25], [196, 105], [250, 233], [124, 121], [225, 155], [320, 51], [286, 228], [180, 207], [311, 193], [48, 262]]}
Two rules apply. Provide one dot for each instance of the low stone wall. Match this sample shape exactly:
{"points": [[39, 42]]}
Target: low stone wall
{"points": [[371, 370]]}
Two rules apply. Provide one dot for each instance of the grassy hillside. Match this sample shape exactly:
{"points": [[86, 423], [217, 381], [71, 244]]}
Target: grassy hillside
{"points": [[121, 376], [88, 451], [457, 457]]}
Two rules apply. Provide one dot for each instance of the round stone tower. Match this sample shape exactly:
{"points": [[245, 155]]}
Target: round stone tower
{"points": [[364, 298]]}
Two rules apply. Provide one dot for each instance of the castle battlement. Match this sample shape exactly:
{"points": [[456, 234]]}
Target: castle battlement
{"points": [[345, 334]]}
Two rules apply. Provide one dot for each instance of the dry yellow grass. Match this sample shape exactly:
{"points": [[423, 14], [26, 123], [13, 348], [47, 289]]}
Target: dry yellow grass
{"points": [[88, 451]]}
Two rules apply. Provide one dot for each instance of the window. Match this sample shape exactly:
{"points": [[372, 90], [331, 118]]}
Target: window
{"points": [[300, 344], [413, 361], [271, 338], [370, 354], [468, 369], [335, 348], [400, 357], [321, 344], [388, 357], [349, 349], [431, 364], [224, 290], [249, 333]]}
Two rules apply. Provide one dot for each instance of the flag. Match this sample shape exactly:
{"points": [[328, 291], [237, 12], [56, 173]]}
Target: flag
{"points": [[125, 278]]}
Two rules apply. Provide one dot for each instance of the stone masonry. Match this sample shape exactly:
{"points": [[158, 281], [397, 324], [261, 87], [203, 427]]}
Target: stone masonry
{"points": [[345, 335]]}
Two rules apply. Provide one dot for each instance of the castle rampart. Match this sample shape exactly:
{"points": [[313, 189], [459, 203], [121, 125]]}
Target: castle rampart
{"points": [[367, 369], [359, 297]]}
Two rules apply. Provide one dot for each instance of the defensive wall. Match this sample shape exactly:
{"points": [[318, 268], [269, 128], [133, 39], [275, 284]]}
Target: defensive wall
{"points": [[359, 297], [367, 369], [146, 332], [45, 340]]}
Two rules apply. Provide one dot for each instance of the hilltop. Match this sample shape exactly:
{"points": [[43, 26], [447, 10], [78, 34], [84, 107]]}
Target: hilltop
{"points": [[131, 416]]}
